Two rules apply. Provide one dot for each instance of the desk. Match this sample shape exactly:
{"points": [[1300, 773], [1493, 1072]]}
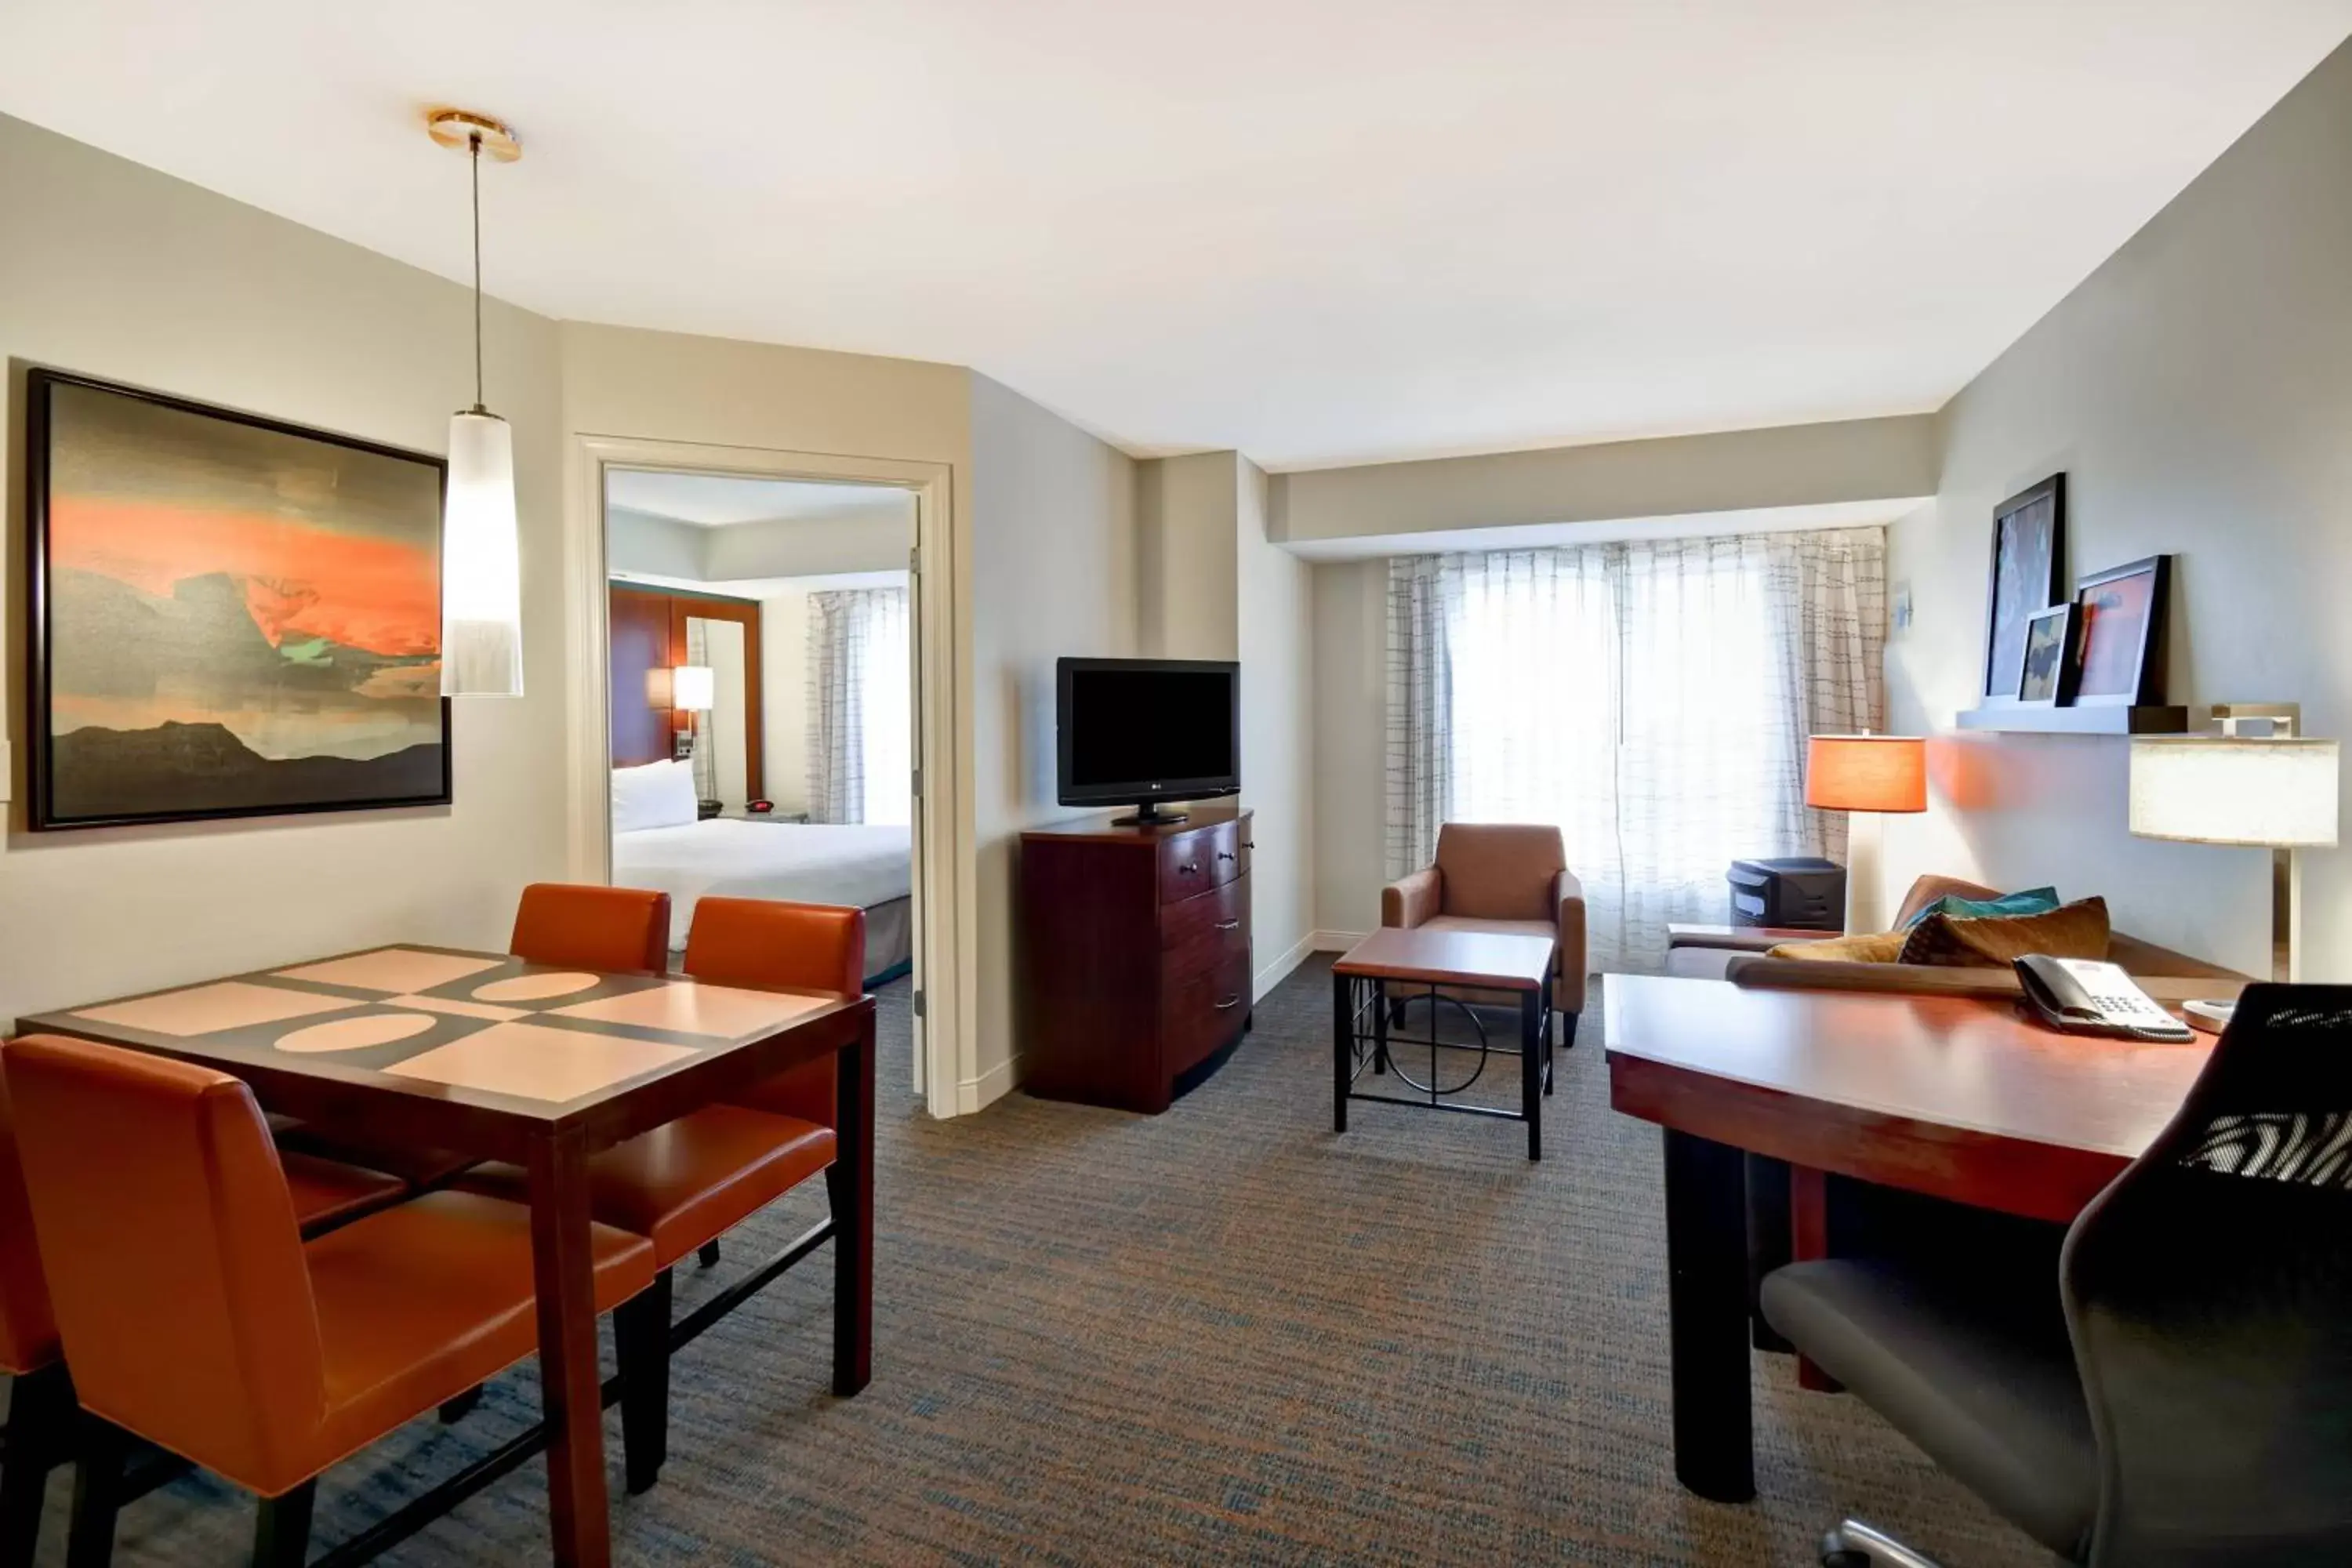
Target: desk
{"points": [[1959, 1097], [542, 1066]]}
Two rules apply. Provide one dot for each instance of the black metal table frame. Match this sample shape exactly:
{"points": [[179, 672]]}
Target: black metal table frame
{"points": [[1353, 1049]]}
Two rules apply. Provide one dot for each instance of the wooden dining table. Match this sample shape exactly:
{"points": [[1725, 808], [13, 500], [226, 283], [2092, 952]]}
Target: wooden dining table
{"points": [[1959, 1097], [485, 1055]]}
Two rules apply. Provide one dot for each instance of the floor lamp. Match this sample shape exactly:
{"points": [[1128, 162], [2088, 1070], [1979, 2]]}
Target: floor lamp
{"points": [[2277, 792], [1865, 777], [693, 688]]}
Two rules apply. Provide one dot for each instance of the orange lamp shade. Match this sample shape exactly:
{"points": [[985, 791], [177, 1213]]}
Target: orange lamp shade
{"points": [[1866, 773]]}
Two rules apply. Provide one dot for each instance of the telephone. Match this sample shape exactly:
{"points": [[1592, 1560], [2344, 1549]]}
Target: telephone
{"points": [[2086, 997]]}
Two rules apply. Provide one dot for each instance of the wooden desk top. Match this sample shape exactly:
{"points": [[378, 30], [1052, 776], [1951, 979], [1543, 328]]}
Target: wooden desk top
{"points": [[1477, 959], [1961, 1096]]}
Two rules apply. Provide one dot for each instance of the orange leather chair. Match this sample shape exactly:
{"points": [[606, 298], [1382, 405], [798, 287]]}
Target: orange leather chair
{"points": [[1508, 879], [684, 1185], [195, 1315], [41, 1400], [593, 927]]}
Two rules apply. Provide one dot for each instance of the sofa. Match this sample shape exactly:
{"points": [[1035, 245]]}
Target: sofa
{"points": [[1742, 956]]}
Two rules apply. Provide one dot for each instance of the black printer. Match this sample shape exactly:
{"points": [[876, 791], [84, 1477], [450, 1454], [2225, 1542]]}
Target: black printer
{"points": [[1802, 893]]}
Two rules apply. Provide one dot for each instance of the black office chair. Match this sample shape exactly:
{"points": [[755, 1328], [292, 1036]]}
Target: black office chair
{"points": [[2183, 1399]]}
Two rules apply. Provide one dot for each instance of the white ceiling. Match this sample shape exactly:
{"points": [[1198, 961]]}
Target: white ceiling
{"points": [[1318, 231], [722, 501]]}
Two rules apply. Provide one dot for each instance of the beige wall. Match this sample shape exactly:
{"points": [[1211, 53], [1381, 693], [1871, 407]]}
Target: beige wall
{"points": [[1350, 718], [1808, 465], [2197, 390], [118, 272], [1053, 572], [1186, 518], [1274, 613]]}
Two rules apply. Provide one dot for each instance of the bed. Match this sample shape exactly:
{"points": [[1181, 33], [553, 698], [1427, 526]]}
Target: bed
{"points": [[821, 863]]}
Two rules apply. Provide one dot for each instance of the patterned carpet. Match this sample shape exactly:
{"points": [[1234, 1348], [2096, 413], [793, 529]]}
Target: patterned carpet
{"points": [[1219, 1335]]}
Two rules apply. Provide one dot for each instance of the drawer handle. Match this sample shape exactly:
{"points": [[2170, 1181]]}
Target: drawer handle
{"points": [[1249, 843], [1229, 1003], [1189, 869], [1225, 854], [1229, 925]]}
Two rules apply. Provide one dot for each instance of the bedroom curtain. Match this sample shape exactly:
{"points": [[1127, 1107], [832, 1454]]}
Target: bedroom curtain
{"points": [[861, 719], [1651, 698]]}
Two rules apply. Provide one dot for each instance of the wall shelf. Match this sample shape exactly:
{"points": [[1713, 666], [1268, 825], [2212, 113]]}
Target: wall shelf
{"points": [[2020, 721]]}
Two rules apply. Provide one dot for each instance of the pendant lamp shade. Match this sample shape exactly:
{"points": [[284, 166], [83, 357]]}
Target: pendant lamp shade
{"points": [[481, 562], [481, 554]]}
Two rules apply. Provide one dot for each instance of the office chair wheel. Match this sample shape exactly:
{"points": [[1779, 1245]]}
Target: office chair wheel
{"points": [[1855, 1545]]}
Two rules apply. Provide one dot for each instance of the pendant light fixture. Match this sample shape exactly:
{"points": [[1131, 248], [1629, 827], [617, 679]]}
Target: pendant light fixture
{"points": [[481, 566]]}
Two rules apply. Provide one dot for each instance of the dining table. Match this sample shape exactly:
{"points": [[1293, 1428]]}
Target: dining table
{"points": [[488, 1055]]}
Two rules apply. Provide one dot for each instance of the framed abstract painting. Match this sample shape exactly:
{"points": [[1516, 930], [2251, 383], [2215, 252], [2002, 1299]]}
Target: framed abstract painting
{"points": [[227, 616], [2028, 553]]}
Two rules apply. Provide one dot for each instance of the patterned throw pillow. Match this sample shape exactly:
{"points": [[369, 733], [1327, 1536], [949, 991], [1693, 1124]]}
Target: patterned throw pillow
{"points": [[1879, 947], [2033, 902], [2076, 931]]}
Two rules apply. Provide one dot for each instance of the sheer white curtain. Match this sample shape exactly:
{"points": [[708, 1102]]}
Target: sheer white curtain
{"points": [[861, 717], [1651, 698]]}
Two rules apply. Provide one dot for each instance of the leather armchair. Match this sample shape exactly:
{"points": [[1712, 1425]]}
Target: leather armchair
{"points": [[1505, 878]]}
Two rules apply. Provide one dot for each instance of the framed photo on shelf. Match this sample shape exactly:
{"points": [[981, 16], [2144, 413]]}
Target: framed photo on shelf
{"points": [[228, 615], [2029, 550], [2120, 616], [2052, 657]]}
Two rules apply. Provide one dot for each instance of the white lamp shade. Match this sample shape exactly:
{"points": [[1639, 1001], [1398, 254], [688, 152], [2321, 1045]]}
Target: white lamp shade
{"points": [[481, 563], [693, 688], [2273, 794]]}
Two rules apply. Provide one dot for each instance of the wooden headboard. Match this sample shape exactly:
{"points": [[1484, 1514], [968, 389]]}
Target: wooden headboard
{"points": [[647, 633]]}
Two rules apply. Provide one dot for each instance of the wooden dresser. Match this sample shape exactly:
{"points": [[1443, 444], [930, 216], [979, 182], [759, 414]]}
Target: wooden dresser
{"points": [[1134, 956]]}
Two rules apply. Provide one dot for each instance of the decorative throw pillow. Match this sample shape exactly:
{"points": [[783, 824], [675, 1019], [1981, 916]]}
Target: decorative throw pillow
{"points": [[1876, 947], [2076, 931], [2033, 902]]}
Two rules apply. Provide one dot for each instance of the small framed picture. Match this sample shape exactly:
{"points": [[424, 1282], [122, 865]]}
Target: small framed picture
{"points": [[2051, 659], [2120, 616], [2028, 553]]}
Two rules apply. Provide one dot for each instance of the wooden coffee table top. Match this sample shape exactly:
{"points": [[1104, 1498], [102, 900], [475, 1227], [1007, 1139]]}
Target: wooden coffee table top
{"points": [[1477, 959], [480, 1028]]}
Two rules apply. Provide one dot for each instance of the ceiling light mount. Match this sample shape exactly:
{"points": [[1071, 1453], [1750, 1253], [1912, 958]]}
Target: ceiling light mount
{"points": [[458, 128]]}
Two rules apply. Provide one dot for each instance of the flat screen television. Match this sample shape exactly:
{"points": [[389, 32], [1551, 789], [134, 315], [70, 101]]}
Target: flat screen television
{"points": [[1138, 732]]}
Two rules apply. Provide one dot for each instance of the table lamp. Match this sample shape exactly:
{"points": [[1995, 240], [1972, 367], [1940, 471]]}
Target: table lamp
{"points": [[2277, 792], [1865, 777], [693, 688]]}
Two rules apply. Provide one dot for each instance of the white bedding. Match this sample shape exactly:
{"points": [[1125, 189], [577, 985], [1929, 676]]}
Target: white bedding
{"points": [[816, 863]]}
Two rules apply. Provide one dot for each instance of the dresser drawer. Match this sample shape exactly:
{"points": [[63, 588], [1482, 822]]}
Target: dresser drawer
{"points": [[1192, 863], [1226, 908], [1204, 998]]}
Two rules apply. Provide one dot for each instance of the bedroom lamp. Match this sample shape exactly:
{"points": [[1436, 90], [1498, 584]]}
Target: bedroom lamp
{"points": [[2277, 792], [1865, 775], [481, 553]]}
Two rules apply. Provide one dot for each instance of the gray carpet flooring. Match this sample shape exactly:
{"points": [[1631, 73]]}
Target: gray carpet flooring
{"points": [[1221, 1335]]}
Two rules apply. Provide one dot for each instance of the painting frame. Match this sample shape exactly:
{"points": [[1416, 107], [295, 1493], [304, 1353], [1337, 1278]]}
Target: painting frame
{"points": [[2050, 636], [43, 813], [2023, 579], [2145, 643]]}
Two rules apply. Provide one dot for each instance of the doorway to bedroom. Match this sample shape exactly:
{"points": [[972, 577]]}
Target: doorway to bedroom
{"points": [[761, 649]]}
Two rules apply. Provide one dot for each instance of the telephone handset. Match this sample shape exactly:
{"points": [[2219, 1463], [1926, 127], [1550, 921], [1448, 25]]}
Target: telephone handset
{"points": [[2086, 997]]}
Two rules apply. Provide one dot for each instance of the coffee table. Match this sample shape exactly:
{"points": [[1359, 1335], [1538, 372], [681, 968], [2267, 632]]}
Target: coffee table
{"points": [[1395, 965]]}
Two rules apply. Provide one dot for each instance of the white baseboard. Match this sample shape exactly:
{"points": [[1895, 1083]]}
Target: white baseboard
{"points": [[1334, 941], [1275, 974], [974, 1093]]}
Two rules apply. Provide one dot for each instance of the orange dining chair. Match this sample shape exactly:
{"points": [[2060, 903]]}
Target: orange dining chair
{"points": [[193, 1314], [41, 1400], [587, 927], [684, 1185]]}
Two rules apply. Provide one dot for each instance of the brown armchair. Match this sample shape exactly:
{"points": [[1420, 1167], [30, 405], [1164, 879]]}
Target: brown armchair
{"points": [[1506, 877]]}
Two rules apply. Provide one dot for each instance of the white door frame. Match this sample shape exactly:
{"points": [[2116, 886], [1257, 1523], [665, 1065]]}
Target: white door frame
{"points": [[940, 943]]}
